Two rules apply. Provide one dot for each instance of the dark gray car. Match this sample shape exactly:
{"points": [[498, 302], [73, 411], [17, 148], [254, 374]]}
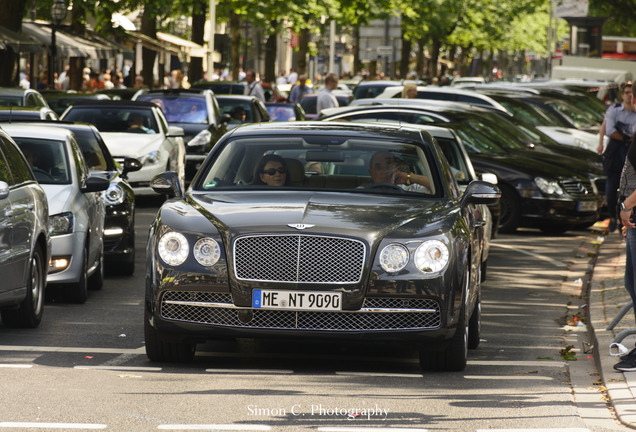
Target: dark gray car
{"points": [[25, 245]]}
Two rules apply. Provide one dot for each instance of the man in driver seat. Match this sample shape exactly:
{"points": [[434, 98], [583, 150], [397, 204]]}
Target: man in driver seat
{"points": [[384, 168]]}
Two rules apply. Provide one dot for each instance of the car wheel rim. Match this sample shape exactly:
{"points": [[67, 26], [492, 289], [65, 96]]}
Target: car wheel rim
{"points": [[36, 285]]}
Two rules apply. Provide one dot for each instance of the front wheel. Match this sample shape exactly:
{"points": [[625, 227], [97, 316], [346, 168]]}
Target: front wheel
{"points": [[29, 313], [160, 350], [510, 218], [78, 291], [474, 326], [454, 356]]}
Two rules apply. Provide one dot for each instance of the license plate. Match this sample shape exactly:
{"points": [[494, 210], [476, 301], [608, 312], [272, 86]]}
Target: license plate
{"points": [[587, 206], [298, 300]]}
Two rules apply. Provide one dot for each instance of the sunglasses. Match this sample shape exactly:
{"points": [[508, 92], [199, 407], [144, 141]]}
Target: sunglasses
{"points": [[272, 171]]}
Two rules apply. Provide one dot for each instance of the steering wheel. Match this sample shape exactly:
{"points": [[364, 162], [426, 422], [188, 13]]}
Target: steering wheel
{"points": [[40, 174], [385, 186]]}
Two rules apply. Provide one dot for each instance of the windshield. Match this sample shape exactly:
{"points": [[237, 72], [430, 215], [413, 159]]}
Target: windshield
{"points": [[322, 162], [529, 113], [115, 119], [48, 159], [578, 117], [180, 108]]}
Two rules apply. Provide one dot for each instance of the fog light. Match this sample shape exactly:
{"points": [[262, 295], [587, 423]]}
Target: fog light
{"points": [[113, 231], [58, 264]]}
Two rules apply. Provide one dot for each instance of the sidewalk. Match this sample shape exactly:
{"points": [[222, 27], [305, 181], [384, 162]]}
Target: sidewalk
{"points": [[607, 297]]}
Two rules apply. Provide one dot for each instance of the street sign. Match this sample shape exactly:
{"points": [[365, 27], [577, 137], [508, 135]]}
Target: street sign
{"points": [[385, 50]]}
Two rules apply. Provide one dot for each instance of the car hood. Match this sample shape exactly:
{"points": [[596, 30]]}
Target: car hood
{"points": [[369, 216], [529, 164], [571, 136], [59, 197], [131, 144]]}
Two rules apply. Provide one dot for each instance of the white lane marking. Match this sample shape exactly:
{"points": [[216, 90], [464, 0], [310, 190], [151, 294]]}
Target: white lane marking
{"points": [[380, 374], [17, 366], [552, 261], [508, 377], [23, 425], [544, 363], [536, 430], [121, 368], [251, 371], [215, 427], [88, 350], [368, 429]]}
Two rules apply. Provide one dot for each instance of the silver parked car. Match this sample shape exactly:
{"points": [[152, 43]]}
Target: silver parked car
{"points": [[25, 245], [76, 208]]}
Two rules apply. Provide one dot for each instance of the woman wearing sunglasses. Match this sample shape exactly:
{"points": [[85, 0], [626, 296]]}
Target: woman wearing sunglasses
{"points": [[272, 171]]}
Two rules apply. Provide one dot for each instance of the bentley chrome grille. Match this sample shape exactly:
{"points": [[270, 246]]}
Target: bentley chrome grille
{"points": [[577, 188], [299, 258], [376, 314]]}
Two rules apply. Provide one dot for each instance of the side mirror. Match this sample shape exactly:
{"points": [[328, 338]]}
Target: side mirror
{"points": [[489, 177], [4, 190], [480, 192], [95, 184], [167, 183], [174, 131], [225, 118], [130, 165]]}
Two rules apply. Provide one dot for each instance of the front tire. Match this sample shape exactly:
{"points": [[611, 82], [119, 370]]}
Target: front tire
{"points": [[78, 292], [474, 326], [454, 356], [510, 209], [160, 350], [29, 313], [96, 281]]}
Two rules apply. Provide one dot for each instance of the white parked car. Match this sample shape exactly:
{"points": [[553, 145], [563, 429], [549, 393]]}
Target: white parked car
{"points": [[76, 210], [138, 130]]}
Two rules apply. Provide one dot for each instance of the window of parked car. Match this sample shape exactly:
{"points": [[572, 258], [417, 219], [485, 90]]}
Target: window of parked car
{"points": [[5, 173], [19, 167], [47, 158]]}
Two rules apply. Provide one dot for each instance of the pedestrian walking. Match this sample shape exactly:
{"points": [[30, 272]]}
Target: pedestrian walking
{"points": [[326, 99], [627, 203], [299, 90], [253, 88], [620, 126]]}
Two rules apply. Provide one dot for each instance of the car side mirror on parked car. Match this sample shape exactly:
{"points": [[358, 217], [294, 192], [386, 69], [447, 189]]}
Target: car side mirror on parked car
{"points": [[480, 192], [130, 165], [174, 131], [4, 190], [95, 184], [167, 183]]}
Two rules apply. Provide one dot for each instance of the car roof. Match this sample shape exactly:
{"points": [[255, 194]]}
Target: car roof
{"points": [[26, 129], [14, 91], [319, 128], [190, 91], [115, 103]]}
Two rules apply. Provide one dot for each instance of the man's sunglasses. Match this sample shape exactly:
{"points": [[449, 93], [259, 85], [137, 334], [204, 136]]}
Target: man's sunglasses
{"points": [[272, 171]]}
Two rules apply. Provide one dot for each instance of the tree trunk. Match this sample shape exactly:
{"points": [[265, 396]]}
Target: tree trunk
{"points": [[235, 44], [195, 72], [148, 27], [420, 60], [437, 43], [303, 48], [11, 13], [406, 56], [357, 63], [270, 55]]}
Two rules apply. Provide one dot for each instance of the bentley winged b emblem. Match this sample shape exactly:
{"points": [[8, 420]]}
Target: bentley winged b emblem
{"points": [[300, 226]]}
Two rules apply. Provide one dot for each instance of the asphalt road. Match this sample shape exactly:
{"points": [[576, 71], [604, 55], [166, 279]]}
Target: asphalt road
{"points": [[85, 367]]}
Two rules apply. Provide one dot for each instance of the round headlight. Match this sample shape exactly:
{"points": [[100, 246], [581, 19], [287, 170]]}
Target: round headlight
{"points": [[173, 248], [114, 194], [431, 256], [207, 251], [548, 187], [394, 258]]}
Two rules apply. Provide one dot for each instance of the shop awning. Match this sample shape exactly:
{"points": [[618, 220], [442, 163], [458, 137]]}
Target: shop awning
{"points": [[152, 44], [68, 45], [18, 42], [177, 41]]}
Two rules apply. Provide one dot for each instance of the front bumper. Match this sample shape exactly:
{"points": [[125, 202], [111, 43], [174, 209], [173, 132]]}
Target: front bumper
{"points": [[542, 211], [70, 246]]}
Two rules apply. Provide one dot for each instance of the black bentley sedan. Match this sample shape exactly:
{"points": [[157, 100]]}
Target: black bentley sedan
{"points": [[318, 230]]}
